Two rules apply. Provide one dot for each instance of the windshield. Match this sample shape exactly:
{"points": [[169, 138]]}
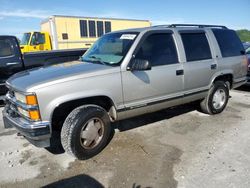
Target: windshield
{"points": [[110, 49], [25, 39]]}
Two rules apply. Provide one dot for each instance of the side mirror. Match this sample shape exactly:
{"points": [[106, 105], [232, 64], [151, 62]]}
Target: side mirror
{"points": [[140, 65]]}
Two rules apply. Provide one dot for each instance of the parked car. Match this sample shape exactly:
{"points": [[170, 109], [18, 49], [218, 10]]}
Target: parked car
{"points": [[12, 61], [247, 48], [124, 74]]}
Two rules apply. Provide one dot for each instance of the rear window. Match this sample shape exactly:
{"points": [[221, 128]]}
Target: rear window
{"points": [[196, 46], [229, 42], [6, 48]]}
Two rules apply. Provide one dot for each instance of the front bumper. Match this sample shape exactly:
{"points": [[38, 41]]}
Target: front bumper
{"points": [[38, 133]]}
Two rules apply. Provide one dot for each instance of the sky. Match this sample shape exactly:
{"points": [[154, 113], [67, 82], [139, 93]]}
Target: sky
{"points": [[19, 16]]}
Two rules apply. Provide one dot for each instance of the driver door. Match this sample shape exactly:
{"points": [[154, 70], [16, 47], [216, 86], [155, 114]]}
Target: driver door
{"points": [[37, 42], [163, 82]]}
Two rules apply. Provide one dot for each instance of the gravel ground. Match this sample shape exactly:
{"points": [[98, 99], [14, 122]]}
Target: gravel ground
{"points": [[178, 147]]}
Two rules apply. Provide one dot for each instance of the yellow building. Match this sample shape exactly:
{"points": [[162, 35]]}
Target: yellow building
{"points": [[81, 32]]}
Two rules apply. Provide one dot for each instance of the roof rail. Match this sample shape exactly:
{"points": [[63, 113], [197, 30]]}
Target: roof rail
{"points": [[197, 25], [192, 25]]}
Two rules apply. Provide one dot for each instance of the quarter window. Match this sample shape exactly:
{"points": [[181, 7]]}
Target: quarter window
{"points": [[196, 46], [229, 42], [158, 49]]}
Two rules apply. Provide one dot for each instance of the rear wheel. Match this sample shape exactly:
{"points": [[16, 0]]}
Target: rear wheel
{"points": [[86, 131], [217, 98]]}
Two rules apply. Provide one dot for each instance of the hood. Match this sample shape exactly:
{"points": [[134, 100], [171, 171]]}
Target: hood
{"points": [[44, 76]]}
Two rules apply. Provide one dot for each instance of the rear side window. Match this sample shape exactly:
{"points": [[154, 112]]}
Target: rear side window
{"points": [[229, 42], [6, 48], [159, 49], [196, 46]]}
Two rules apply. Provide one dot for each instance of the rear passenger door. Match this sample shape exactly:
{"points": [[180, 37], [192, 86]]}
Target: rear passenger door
{"points": [[159, 83], [199, 66]]}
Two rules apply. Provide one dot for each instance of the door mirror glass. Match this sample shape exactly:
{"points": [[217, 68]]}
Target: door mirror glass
{"points": [[140, 65]]}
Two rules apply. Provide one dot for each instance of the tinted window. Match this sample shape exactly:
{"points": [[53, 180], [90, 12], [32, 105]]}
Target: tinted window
{"points": [[99, 28], [196, 46], [83, 28], [6, 48], [229, 42], [92, 31], [107, 27], [159, 49]]}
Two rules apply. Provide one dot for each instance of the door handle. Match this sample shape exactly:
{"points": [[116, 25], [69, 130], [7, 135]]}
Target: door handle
{"points": [[12, 63], [179, 72], [213, 66]]}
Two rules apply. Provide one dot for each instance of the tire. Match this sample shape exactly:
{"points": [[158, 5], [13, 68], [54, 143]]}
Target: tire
{"points": [[211, 104], [80, 134]]}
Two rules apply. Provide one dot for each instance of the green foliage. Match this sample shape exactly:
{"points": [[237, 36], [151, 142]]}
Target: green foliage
{"points": [[244, 35]]}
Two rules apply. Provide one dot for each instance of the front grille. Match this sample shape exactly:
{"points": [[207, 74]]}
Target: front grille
{"points": [[11, 107]]}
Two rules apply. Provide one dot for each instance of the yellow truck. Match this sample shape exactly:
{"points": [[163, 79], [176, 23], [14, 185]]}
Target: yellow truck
{"points": [[67, 32]]}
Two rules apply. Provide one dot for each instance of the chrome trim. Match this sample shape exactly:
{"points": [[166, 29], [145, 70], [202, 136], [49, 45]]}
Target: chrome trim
{"points": [[2, 98], [13, 63], [2, 84], [20, 104]]}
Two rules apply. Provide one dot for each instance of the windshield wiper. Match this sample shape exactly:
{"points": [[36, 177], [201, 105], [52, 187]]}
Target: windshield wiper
{"points": [[98, 60]]}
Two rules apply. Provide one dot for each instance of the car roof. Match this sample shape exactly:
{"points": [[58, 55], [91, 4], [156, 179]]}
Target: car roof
{"points": [[174, 27]]}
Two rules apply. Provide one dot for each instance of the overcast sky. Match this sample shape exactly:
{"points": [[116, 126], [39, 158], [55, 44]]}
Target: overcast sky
{"points": [[17, 16]]}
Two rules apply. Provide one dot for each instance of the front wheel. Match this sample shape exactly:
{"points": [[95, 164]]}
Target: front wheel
{"points": [[217, 98], [86, 131]]}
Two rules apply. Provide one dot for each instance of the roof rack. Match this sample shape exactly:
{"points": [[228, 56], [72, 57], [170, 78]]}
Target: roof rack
{"points": [[192, 25]]}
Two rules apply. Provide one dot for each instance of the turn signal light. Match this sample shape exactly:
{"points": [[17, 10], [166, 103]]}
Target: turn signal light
{"points": [[34, 115], [31, 100]]}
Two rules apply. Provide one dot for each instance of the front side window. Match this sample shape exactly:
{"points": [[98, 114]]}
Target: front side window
{"points": [[158, 49], [25, 39], [6, 48], [196, 46], [37, 38], [110, 49]]}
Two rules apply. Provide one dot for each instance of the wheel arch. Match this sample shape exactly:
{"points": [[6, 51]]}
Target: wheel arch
{"points": [[61, 110], [223, 76]]}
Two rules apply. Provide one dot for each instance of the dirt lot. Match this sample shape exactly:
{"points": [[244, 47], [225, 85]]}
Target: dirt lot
{"points": [[178, 147]]}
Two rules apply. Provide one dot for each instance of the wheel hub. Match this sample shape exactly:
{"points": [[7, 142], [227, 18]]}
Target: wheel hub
{"points": [[219, 99], [92, 133]]}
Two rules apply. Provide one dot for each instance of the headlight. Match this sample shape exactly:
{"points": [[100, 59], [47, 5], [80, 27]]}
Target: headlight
{"points": [[26, 99], [20, 97], [30, 100]]}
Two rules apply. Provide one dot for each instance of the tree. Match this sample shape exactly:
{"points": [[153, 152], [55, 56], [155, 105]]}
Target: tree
{"points": [[244, 35]]}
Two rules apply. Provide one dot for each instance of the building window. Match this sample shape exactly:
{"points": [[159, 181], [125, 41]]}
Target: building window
{"points": [[107, 27], [92, 30], [99, 28], [65, 36], [83, 28]]}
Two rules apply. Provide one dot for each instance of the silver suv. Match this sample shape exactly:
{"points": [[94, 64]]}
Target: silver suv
{"points": [[125, 74]]}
